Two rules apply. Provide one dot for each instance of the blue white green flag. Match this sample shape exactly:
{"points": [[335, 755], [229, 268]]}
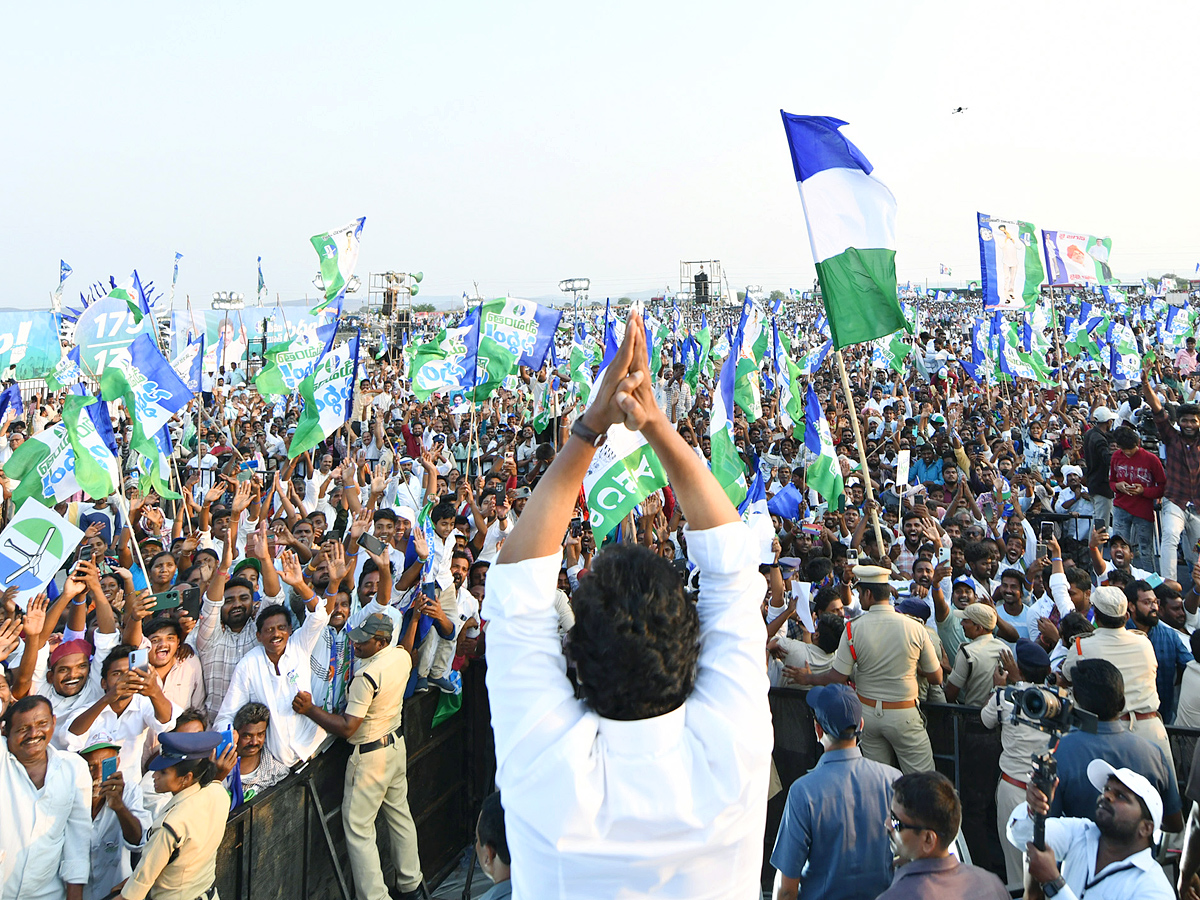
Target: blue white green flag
{"points": [[96, 470], [851, 227], [623, 473], [726, 464], [328, 393], [825, 474], [44, 466], [150, 388]]}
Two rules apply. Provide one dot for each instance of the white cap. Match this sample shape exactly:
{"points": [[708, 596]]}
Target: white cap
{"points": [[1110, 601], [1098, 772], [404, 512], [1103, 414]]}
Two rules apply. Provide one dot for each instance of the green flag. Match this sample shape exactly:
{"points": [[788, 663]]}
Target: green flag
{"points": [[95, 465], [44, 465]]}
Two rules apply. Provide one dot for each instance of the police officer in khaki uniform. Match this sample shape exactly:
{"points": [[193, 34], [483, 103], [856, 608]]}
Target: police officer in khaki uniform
{"points": [[179, 861], [975, 665], [884, 651], [376, 773]]}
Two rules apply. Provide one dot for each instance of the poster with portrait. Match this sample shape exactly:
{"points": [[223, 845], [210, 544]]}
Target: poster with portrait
{"points": [[1077, 260], [1009, 262]]}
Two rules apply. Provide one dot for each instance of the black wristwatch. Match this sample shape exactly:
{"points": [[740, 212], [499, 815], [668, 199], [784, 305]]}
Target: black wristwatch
{"points": [[586, 434], [1051, 888]]}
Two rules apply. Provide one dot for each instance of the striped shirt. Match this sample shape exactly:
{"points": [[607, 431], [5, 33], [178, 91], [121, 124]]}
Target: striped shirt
{"points": [[220, 650]]}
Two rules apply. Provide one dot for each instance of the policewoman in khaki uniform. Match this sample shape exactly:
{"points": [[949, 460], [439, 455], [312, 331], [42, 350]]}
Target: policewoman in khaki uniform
{"points": [[882, 652], [179, 861], [377, 771]]}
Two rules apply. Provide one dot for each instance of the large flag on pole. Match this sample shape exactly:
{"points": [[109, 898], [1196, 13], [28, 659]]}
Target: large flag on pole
{"points": [[824, 475], [727, 466], [851, 219], [338, 252], [63, 271], [151, 389], [328, 393]]}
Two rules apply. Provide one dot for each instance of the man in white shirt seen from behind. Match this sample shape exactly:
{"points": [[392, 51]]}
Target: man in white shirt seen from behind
{"points": [[654, 781]]}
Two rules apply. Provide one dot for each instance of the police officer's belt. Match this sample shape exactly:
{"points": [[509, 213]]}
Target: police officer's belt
{"points": [[386, 741]]}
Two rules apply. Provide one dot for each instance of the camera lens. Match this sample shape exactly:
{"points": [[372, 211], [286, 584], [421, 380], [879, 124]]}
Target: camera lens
{"points": [[1039, 704]]}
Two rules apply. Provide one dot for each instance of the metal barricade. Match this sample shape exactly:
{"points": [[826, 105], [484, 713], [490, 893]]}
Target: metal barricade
{"points": [[289, 842], [964, 751]]}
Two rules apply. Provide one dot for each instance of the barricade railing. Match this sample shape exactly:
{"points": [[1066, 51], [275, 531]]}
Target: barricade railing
{"points": [[289, 842], [964, 750]]}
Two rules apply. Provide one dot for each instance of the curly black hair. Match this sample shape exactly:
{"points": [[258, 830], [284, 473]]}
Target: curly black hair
{"points": [[636, 639]]}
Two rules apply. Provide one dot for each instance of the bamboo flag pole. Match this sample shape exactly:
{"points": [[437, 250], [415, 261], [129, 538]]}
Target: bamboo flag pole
{"points": [[862, 454]]}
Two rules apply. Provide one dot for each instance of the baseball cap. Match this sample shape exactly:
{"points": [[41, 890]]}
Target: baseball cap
{"points": [[1110, 601], [251, 563], [836, 707], [1103, 414], [1099, 771], [100, 745], [375, 625], [966, 580]]}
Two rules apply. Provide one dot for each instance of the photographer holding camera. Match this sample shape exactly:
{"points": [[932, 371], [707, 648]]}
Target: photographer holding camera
{"points": [[1111, 855]]}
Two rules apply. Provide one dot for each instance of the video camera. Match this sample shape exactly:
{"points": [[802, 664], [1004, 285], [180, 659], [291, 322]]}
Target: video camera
{"points": [[1050, 710]]}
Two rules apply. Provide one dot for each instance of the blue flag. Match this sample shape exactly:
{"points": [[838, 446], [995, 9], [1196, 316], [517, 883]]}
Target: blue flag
{"points": [[10, 398], [63, 271], [786, 503]]}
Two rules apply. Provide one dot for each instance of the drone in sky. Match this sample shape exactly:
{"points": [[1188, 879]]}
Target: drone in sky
{"points": [[958, 110]]}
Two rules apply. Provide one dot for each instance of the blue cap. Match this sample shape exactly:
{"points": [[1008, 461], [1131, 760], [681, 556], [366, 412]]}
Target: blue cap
{"points": [[179, 747], [911, 607], [837, 708], [1030, 655]]}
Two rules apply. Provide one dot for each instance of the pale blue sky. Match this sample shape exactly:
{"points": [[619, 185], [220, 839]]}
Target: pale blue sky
{"points": [[515, 144]]}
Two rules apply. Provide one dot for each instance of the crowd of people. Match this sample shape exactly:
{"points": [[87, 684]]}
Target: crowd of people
{"points": [[1045, 536]]}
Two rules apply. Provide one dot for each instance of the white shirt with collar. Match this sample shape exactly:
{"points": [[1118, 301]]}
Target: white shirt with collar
{"points": [[129, 729], [672, 805], [44, 834], [1075, 842], [65, 708], [291, 737]]}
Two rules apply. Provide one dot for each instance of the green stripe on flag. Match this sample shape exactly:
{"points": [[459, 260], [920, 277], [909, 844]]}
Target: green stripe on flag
{"points": [[859, 291]]}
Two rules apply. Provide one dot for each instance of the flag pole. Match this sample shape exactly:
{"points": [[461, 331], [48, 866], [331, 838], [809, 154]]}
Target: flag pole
{"points": [[862, 455], [121, 488]]}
